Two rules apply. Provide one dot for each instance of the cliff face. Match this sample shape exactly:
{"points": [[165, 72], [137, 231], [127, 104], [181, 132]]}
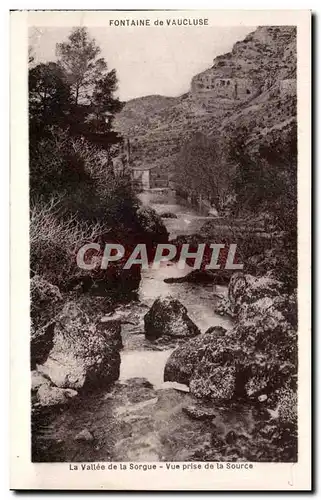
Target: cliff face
{"points": [[253, 86]]}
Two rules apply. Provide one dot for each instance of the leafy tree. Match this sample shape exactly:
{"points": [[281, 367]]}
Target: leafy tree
{"points": [[49, 97], [86, 73], [265, 174], [79, 60], [92, 85], [202, 169]]}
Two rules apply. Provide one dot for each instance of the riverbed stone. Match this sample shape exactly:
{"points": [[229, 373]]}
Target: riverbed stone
{"points": [[54, 396], [199, 412], [168, 215], [168, 318], [84, 435], [223, 307], [84, 355]]}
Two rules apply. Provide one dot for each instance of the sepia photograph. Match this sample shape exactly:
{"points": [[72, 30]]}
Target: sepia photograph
{"points": [[163, 242]]}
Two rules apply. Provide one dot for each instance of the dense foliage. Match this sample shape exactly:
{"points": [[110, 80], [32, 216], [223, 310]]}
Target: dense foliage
{"points": [[75, 194]]}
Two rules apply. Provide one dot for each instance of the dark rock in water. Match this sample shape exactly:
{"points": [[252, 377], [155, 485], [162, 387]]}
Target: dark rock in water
{"points": [[181, 279], [151, 225], [182, 363], [191, 239], [84, 435], [199, 412], [138, 382], [83, 355], [230, 437], [113, 281], [219, 277], [216, 330], [196, 276], [168, 215], [53, 396], [168, 317]]}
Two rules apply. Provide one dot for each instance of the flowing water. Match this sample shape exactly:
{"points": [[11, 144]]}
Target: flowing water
{"points": [[198, 299], [141, 417]]}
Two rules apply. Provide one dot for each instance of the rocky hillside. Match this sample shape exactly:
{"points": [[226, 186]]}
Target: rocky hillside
{"points": [[253, 86]]}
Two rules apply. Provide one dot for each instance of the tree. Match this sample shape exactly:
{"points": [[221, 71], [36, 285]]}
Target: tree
{"points": [[92, 85], [202, 169], [84, 70], [49, 97], [265, 174]]}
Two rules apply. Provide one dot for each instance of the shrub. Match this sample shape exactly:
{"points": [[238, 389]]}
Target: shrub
{"points": [[82, 175], [55, 239]]}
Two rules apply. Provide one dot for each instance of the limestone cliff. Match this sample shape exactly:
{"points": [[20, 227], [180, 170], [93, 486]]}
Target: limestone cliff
{"points": [[254, 86]]}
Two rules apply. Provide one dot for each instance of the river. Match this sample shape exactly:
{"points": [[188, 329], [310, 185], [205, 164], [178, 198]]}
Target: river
{"points": [[137, 359], [141, 417]]}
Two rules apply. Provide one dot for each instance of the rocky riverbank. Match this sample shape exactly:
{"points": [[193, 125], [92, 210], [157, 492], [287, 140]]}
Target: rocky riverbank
{"points": [[230, 387]]}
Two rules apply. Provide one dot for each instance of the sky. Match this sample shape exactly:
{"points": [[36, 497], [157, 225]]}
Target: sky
{"points": [[149, 60]]}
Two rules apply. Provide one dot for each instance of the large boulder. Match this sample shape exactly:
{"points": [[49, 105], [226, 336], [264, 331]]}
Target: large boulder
{"points": [[267, 331], [255, 359], [183, 361], [209, 365], [84, 354], [46, 302], [150, 226], [168, 318], [245, 289]]}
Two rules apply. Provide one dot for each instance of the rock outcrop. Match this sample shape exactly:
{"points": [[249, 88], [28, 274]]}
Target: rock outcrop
{"points": [[168, 318], [258, 357], [181, 364], [46, 300], [245, 289], [199, 276], [41, 342], [83, 354], [151, 226], [254, 86]]}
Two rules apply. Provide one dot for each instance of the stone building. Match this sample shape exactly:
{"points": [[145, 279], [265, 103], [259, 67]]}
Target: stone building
{"points": [[228, 88], [150, 177]]}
